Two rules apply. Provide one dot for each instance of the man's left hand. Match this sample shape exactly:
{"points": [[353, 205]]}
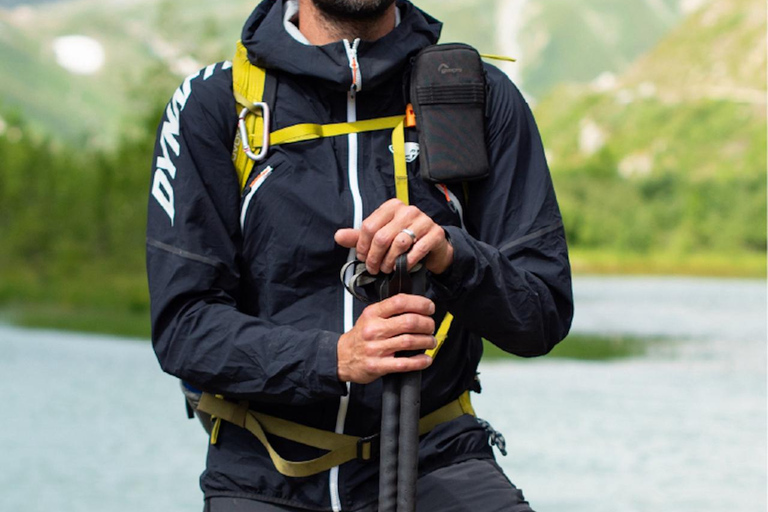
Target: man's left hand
{"points": [[381, 239]]}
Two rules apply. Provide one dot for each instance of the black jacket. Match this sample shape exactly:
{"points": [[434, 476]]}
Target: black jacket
{"points": [[255, 311]]}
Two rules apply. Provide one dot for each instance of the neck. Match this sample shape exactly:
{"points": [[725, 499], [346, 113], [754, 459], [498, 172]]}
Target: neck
{"points": [[320, 28]]}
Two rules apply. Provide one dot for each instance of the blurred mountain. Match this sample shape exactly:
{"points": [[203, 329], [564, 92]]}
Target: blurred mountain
{"points": [[85, 69], [566, 41], [680, 135], [127, 53], [14, 3]]}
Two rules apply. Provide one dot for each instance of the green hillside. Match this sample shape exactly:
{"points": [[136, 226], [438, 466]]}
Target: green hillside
{"points": [[566, 41], [673, 157], [150, 45]]}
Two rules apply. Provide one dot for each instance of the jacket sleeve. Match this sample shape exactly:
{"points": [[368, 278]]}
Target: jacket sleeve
{"points": [[193, 239], [510, 281]]}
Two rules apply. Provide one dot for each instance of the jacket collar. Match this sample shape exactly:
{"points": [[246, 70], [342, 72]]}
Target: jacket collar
{"points": [[270, 46]]}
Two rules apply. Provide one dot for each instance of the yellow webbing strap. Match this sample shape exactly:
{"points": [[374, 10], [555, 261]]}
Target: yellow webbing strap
{"points": [[308, 131], [448, 412], [401, 169], [497, 57], [341, 447], [248, 87], [441, 334]]}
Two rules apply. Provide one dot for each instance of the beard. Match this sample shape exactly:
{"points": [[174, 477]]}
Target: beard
{"points": [[353, 10]]}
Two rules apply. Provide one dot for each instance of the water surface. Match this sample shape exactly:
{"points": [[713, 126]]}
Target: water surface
{"points": [[93, 424]]}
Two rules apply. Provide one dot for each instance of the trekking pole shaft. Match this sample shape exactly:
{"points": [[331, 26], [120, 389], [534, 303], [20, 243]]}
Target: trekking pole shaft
{"points": [[408, 456], [390, 426]]}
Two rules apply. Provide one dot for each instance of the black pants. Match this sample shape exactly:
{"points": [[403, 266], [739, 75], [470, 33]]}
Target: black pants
{"points": [[471, 486]]}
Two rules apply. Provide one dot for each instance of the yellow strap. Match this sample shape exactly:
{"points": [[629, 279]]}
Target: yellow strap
{"points": [[309, 131], [341, 447], [215, 430], [448, 412], [248, 87], [401, 169], [441, 334], [497, 57], [466, 404]]}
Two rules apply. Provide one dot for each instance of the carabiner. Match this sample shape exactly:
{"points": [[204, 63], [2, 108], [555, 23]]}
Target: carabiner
{"points": [[262, 154]]}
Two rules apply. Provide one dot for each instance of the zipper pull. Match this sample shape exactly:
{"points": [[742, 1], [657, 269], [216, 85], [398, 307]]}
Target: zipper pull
{"points": [[357, 77], [448, 199]]}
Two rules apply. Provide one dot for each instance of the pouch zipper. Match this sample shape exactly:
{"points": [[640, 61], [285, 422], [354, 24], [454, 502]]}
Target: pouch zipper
{"points": [[453, 202]]}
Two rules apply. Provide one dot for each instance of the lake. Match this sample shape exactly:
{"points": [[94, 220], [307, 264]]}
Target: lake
{"points": [[93, 424]]}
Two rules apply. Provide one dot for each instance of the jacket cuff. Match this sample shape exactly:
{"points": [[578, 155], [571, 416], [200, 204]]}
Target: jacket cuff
{"points": [[453, 282], [327, 365]]}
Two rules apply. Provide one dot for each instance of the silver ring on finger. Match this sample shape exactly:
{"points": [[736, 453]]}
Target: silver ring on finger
{"points": [[410, 234]]}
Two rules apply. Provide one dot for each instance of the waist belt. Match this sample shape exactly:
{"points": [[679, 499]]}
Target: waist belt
{"points": [[341, 447]]}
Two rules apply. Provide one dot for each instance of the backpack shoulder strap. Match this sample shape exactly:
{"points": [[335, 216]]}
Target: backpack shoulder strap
{"points": [[250, 85]]}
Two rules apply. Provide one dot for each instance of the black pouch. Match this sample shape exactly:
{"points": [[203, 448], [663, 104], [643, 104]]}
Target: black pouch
{"points": [[448, 95]]}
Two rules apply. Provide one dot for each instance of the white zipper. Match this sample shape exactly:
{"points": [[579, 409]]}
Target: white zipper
{"points": [[357, 202], [354, 66], [254, 186]]}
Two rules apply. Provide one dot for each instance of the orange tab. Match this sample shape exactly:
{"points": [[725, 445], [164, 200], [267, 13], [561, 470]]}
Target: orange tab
{"points": [[410, 117]]}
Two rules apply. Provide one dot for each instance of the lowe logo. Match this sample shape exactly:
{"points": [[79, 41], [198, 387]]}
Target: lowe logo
{"points": [[445, 68]]}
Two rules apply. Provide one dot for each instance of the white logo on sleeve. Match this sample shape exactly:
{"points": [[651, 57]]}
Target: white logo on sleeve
{"points": [[170, 149]]}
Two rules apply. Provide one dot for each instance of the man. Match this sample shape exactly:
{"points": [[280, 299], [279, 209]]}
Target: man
{"points": [[246, 298]]}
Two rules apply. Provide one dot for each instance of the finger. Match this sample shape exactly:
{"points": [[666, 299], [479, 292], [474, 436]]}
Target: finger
{"points": [[383, 240], [347, 237], [400, 245], [371, 225], [404, 364], [407, 323], [404, 242], [407, 342], [433, 242], [403, 303]]}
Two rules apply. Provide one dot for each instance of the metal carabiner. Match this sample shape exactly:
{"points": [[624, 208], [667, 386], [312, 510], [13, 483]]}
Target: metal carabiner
{"points": [[262, 154]]}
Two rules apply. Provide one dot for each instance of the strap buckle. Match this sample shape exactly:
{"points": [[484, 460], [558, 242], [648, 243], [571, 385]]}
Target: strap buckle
{"points": [[368, 447], [255, 109]]}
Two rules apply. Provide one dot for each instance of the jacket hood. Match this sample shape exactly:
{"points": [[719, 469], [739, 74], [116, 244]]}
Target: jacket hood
{"points": [[271, 47]]}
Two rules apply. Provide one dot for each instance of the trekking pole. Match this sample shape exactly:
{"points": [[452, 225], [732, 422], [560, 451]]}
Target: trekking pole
{"points": [[401, 407], [389, 446]]}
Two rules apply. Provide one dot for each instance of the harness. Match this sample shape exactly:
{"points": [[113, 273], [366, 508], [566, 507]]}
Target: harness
{"points": [[254, 91]]}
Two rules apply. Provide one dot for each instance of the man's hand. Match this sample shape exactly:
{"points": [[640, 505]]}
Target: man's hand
{"points": [[381, 239], [402, 322]]}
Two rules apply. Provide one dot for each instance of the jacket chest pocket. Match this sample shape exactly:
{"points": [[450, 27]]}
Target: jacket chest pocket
{"points": [[253, 185], [288, 217]]}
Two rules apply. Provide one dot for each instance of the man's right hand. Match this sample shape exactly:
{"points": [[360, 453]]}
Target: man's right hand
{"points": [[399, 323]]}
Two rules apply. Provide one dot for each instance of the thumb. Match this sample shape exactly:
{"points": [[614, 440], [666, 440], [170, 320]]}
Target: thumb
{"points": [[347, 237]]}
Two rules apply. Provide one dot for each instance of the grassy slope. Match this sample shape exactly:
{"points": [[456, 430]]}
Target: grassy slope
{"points": [[566, 41], [697, 124], [722, 47]]}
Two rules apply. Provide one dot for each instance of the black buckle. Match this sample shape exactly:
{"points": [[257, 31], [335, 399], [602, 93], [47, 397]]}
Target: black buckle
{"points": [[374, 445]]}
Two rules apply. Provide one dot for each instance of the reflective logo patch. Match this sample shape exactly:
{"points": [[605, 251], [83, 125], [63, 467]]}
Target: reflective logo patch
{"points": [[411, 151]]}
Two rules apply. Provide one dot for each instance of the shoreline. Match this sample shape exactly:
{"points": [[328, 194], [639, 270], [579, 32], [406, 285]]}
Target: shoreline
{"points": [[106, 300]]}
